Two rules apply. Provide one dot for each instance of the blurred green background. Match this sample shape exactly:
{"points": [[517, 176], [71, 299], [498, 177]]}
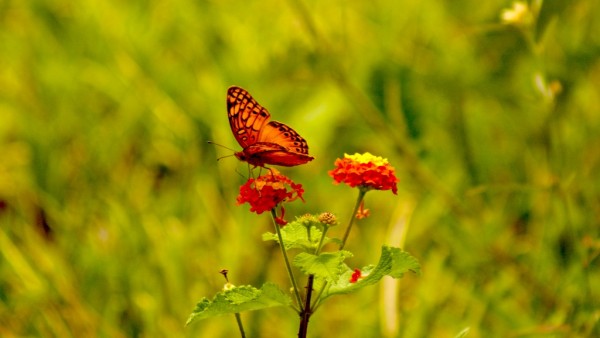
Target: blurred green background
{"points": [[115, 216]]}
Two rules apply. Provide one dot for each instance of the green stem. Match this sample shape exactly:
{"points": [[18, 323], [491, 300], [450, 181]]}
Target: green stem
{"points": [[238, 318], [361, 195], [320, 245], [287, 261], [316, 302]]}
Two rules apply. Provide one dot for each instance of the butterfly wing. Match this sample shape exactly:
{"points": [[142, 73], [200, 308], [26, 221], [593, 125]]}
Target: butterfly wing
{"points": [[263, 153], [246, 117], [264, 142], [278, 144], [283, 135]]}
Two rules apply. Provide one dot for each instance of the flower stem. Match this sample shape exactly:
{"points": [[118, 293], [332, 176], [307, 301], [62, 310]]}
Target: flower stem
{"points": [[361, 195], [316, 303], [306, 311], [320, 245], [238, 318], [287, 261]]}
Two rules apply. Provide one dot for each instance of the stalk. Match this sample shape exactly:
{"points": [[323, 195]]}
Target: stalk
{"points": [[361, 196], [287, 261], [306, 311], [238, 318]]}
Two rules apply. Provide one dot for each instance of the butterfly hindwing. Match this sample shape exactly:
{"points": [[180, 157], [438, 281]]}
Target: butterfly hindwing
{"points": [[271, 153], [279, 133]]}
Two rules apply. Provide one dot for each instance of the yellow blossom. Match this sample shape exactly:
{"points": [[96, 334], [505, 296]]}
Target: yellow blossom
{"points": [[520, 13]]}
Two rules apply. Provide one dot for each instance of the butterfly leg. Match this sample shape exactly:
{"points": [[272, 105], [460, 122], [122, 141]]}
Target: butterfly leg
{"points": [[251, 171], [239, 173], [270, 171]]}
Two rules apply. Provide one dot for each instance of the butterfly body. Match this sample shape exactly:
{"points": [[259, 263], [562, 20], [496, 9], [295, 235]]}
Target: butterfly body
{"points": [[263, 141]]}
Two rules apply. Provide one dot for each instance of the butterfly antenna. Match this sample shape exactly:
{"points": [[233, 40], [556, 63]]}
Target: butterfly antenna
{"points": [[222, 157], [220, 145]]}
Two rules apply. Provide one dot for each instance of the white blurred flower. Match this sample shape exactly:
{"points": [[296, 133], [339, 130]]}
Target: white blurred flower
{"points": [[519, 14]]}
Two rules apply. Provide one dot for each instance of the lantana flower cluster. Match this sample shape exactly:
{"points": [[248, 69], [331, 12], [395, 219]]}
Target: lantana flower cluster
{"points": [[365, 171], [267, 191]]}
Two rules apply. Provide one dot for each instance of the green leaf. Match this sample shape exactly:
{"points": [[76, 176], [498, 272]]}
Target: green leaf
{"points": [[549, 12], [326, 266], [393, 262], [295, 235], [402, 262], [239, 299]]}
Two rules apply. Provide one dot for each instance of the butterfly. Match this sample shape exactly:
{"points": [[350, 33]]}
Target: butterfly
{"points": [[263, 141]]}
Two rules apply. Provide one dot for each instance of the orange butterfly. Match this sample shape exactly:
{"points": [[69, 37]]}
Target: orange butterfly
{"points": [[264, 141]]}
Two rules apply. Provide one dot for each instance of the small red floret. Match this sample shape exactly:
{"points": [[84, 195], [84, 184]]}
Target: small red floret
{"points": [[267, 191], [356, 275]]}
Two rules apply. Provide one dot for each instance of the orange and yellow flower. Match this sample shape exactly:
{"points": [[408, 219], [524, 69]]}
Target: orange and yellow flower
{"points": [[365, 171]]}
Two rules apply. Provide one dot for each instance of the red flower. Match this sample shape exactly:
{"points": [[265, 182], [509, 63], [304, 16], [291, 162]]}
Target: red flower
{"points": [[356, 275], [280, 220], [365, 171], [362, 212], [267, 191]]}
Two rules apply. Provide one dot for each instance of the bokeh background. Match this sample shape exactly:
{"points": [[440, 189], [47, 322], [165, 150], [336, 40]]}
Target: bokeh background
{"points": [[115, 216]]}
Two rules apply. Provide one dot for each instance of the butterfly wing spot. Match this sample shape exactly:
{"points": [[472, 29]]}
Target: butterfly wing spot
{"points": [[242, 135]]}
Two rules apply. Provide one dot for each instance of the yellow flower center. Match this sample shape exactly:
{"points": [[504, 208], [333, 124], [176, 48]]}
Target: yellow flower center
{"points": [[367, 158]]}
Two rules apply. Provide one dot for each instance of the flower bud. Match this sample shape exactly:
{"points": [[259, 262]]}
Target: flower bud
{"points": [[328, 218]]}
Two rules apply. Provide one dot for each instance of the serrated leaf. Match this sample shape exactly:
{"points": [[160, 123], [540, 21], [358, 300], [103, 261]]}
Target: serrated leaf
{"points": [[328, 265], [402, 262], [296, 236], [239, 299], [393, 262]]}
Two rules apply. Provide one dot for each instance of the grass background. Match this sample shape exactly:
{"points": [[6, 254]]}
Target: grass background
{"points": [[115, 216]]}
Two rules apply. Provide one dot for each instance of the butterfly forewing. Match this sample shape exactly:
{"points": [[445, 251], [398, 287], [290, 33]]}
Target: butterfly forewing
{"points": [[246, 116]]}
